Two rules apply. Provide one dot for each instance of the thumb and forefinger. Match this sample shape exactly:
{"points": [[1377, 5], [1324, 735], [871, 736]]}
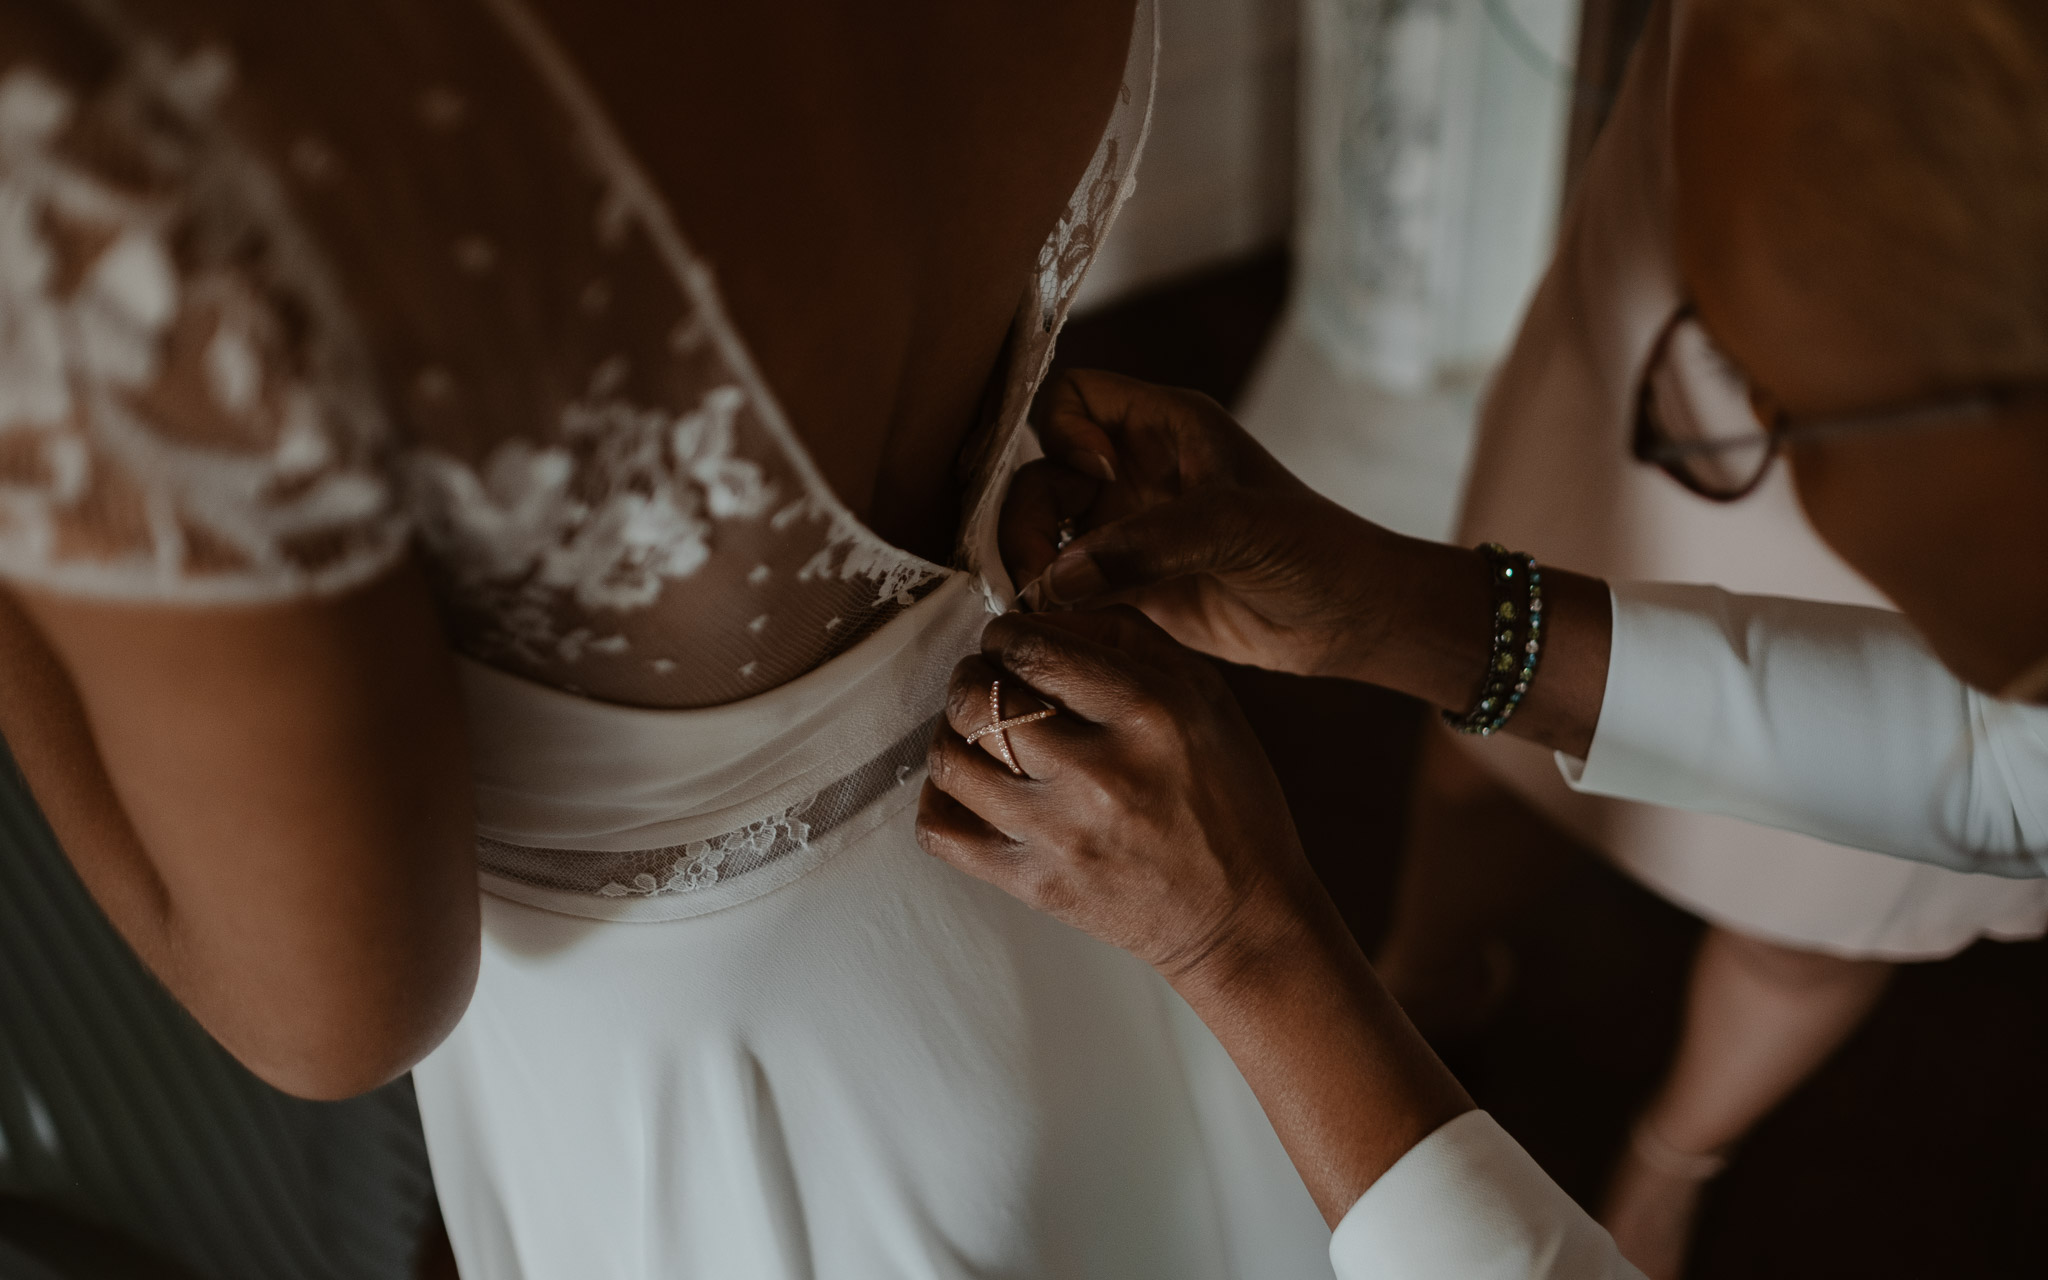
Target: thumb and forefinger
{"points": [[1117, 428], [1046, 505], [1179, 538], [1097, 664], [1153, 452]]}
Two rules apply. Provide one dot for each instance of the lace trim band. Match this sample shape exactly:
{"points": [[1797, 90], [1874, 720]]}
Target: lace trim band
{"points": [[692, 868]]}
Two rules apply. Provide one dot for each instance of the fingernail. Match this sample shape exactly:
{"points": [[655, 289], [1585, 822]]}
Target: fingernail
{"points": [[1032, 597], [1074, 576], [1096, 465]]}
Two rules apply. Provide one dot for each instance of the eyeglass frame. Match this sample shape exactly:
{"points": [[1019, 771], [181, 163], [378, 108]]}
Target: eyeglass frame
{"points": [[1650, 443]]}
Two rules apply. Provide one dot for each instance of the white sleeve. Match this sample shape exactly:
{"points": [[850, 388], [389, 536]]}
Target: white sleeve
{"points": [[1467, 1203], [1830, 720]]}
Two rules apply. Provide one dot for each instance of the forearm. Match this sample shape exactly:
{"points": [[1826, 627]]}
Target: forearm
{"points": [[1431, 637], [1347, 1083], [1366, 1113]]}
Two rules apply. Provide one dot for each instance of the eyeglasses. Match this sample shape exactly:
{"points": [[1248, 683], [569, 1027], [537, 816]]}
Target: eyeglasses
{"points": [[1696, 418]]}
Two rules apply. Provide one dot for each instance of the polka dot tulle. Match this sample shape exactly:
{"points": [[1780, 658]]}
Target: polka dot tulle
{"points": [[264, 332]]}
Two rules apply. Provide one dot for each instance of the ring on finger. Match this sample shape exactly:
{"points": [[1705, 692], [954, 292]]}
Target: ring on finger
{"points": [[1000, 728]]}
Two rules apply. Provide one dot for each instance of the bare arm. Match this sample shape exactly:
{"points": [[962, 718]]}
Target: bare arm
{"points": [[272, 805], [1348, 1084], [271, 800]]}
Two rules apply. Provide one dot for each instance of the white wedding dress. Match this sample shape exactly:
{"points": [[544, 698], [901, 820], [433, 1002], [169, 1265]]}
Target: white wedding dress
{"points": [[731, 1021]]}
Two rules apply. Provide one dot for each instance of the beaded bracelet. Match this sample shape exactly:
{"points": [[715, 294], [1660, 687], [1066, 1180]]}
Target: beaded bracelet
{"points": [[1511, 666]]}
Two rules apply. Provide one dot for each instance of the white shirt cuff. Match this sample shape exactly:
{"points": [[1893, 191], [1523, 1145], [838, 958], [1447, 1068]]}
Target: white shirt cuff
{"points": [[1656, 710], [1467, 1203]]}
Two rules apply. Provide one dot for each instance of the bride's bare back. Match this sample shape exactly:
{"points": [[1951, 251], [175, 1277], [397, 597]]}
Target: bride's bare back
{"points": [[327, 277], [886, 178], [465, 261]]}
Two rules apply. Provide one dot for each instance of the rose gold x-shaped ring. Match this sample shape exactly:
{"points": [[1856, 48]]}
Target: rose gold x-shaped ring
{"points": [[1001, 727]]}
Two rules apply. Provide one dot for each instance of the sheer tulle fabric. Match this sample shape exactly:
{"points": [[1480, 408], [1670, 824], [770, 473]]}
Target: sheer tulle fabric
{"points": [[529, 373], [260, 326]]}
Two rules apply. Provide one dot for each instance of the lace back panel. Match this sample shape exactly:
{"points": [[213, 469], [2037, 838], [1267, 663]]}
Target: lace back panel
{"points": [[261, 326]]}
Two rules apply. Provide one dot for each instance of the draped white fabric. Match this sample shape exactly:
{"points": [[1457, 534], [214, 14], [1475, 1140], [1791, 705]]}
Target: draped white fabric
{"points": [[859, 1064]]}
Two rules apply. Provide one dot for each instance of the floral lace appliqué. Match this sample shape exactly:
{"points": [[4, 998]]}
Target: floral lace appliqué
{"points": [[625, 502], [165, 429], [698, 865], [1069, 250]]}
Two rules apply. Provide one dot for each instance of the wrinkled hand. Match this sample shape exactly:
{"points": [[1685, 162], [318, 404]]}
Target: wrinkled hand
{"points": [[1179, 512], [1149, 816]]}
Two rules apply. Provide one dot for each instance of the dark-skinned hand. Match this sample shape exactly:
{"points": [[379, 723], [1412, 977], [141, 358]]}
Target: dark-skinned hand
{"points": [[1176, 510], [1182, 514], [1148, 815]]}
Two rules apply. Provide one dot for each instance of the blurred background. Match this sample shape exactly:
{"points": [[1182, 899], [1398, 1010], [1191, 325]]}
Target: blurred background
{"points": [[1343, 208], [1403, 164]]}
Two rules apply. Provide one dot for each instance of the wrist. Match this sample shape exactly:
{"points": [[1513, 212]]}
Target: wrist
{"points": [[1427, 629], [1365, 601], [1432, 636], [1266, 944]]}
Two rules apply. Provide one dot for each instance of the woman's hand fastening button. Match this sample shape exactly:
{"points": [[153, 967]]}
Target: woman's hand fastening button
{"points": [[1144, 812], [1157, 498]]}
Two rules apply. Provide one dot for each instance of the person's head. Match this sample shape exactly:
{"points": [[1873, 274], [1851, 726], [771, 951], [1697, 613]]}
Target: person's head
{"points": [[1862, 220]]}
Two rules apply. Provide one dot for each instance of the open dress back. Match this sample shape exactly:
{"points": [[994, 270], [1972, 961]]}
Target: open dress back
{"points": [[268, 330]]}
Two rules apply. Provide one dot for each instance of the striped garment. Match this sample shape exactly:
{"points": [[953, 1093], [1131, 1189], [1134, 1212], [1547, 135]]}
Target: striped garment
{"points": [[116, 1107]]}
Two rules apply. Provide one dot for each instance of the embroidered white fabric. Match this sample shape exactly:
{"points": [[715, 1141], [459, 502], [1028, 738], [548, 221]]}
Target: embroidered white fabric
{"points": [[258, 327], [185, 411]]}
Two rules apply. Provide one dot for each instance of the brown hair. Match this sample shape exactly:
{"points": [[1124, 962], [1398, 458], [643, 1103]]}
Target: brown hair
{"points": [[1917, 187]]}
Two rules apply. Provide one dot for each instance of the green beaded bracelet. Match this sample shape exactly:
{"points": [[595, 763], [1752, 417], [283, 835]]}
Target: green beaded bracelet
{"points": [[1517, 641]]}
